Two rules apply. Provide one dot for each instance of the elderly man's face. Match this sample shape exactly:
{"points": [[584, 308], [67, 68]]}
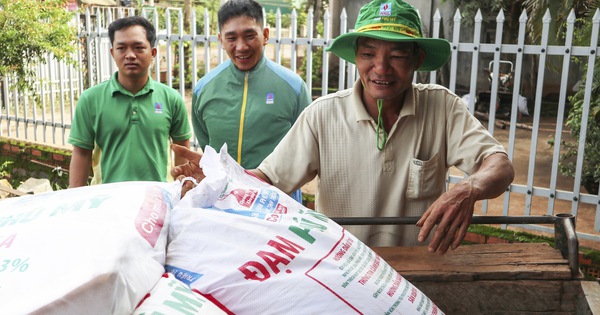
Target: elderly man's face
{"points": [[386, 68]]}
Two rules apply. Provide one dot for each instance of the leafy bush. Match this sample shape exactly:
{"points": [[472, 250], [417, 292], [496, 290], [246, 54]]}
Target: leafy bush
{"points": [[591, 161], [590, 173], [28, 31]]}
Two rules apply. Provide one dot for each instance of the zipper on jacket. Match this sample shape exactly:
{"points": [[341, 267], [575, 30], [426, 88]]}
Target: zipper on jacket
{"points": [[242, 115]]}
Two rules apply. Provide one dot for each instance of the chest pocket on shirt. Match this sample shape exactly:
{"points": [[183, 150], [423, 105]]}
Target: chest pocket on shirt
{"points": [[423, 180]]}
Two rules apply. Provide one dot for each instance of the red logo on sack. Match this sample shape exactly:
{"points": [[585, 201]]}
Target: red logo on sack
{"points": [[244, 197], [151, 217]]}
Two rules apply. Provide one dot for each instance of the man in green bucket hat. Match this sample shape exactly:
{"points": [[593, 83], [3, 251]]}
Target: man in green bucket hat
{"points": [[394, 21], [383, 148]]}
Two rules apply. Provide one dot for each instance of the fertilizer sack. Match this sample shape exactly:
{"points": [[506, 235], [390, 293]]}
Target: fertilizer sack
{"points": [[251, 248], [173, 297], [89, 250]]}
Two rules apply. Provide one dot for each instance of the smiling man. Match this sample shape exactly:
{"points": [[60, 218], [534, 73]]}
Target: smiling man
{"points": [[249, 101], [122, 128], [383, 148]]}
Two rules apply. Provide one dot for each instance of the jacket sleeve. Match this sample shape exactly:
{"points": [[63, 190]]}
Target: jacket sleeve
{"points": [[302, 100], [198, 123]]}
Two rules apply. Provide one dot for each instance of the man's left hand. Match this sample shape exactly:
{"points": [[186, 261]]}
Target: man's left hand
{"points": [[452, 213]]}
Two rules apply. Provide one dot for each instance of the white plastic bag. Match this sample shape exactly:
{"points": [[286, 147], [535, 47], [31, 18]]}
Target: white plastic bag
{"points": [[254, 249], [89, 250], [523, 105]]}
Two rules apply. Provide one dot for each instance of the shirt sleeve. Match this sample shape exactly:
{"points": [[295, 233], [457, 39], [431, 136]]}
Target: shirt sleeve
{"points": [[200, 130], [82, 132], [469, 143], [287, 169], [180, 126]]}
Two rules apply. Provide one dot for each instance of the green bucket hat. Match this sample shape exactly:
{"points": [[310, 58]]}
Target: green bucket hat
{"points": [[396, 21]]}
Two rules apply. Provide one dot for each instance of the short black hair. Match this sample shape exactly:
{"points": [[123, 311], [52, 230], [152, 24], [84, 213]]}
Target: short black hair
{"points": [[235, 8], [129, 21]]}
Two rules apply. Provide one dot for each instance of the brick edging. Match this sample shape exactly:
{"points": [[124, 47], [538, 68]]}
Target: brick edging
{"points": [[35, 151]]}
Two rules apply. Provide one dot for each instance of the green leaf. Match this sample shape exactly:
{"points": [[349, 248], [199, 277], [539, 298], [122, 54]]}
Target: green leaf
{"points": [[30, 30]]}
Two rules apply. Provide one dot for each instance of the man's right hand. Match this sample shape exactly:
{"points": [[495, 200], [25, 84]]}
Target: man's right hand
{"points": [[189, 169]]}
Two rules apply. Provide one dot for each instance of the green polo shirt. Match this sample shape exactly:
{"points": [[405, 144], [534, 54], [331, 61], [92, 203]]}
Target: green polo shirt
{"points": [[129, 134]]}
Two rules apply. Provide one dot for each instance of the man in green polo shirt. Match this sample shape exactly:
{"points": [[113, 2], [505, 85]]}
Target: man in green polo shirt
{"points": [[122, 127]]}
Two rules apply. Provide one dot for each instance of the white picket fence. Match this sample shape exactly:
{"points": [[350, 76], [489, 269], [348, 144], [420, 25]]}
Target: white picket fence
{"points": [[61, 84]]}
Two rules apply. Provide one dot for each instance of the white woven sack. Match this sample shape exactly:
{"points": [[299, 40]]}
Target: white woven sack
{"points": [[89, 250], [255, 250], [173, 297]]}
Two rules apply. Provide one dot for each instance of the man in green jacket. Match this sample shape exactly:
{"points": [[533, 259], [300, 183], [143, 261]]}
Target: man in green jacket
{"points": [[248, 102]]}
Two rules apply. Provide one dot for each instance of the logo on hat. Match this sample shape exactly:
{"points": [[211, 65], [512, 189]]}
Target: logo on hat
{"points": [[385, 9]]}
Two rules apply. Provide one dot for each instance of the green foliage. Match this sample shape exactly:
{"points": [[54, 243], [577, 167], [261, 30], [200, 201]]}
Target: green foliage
{"points": [[591, 161], [590, 176], [28, 31], [317, 66], [213, 8], [489, 9], [286, 20], [559, 10], [17, 169], [156, 12], [308, 200], [589, 253], [536, 9], [510, 235], [200, 71], [4, 166]]}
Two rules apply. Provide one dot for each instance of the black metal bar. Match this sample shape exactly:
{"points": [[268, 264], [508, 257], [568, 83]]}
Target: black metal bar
{"points": [[474, 220], [565, 240]]}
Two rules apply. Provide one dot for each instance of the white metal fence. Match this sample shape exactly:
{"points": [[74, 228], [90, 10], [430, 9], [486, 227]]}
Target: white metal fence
{"points": [[49, 120]]}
